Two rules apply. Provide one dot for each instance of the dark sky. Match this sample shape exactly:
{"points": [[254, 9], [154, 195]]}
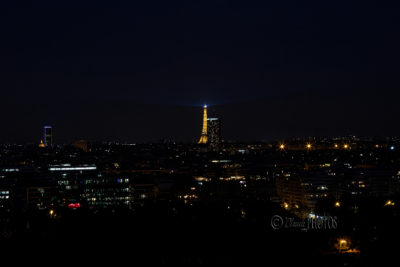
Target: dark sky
{"points": [[140, 70]]}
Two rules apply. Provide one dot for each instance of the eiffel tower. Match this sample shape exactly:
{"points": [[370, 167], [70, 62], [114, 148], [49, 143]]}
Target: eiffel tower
{"points": [[203, 137]]}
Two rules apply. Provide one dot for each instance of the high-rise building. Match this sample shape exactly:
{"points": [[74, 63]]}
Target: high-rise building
{"points": [[203, 137], [48, 136], [214, 132]]}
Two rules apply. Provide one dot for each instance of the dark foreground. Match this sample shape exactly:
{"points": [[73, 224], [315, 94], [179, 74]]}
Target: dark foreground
{"points": [[166, 233]]}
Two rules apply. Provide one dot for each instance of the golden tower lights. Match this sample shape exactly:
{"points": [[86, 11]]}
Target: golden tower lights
{"points": [[203, 137]]}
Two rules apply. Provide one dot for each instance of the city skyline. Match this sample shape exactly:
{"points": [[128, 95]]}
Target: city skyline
{"points": [[251, 128], [47, 137], [325, 199]]}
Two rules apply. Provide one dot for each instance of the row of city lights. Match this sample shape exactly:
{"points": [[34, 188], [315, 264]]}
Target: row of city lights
{"points": [[345, 146], [337, 204]]}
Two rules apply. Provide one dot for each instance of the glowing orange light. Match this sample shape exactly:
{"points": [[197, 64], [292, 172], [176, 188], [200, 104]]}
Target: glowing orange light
{"points": [[389, 203], [41, 144], [343, 245]]}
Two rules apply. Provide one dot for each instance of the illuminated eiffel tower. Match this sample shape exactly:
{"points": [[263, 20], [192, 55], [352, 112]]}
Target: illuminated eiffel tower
{"points": [[203, 137]]}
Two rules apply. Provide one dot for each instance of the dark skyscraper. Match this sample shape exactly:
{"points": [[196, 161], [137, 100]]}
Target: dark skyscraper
{"points": [[214, 133], [48, 136]]}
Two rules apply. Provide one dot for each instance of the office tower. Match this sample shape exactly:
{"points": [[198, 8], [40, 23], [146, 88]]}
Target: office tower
{"points": [[214, 133], [203, 138], [48, 136]]}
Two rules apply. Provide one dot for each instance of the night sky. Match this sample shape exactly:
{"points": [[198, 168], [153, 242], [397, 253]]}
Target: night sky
{"points": [[141, 70]]}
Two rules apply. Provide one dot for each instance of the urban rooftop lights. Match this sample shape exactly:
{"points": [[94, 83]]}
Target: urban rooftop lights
{"points": [[389, 203]]}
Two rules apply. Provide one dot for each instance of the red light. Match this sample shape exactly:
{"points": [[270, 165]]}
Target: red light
{"points": [[74, 205]]}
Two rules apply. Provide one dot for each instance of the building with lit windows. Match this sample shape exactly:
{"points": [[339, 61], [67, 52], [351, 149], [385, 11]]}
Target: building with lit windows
{"points": [[48, 136], [4, 198], [84, 184], [214, 133]]}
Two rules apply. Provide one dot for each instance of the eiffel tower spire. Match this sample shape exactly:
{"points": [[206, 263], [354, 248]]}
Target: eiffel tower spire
{"points": [[203, 137]]}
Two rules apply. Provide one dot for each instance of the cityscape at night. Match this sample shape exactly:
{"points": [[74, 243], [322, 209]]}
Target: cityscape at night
{"points": [[332, 199], [254, 133]]}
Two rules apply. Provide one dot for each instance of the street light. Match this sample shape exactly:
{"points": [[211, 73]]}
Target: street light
{"points": [[344, 244], [389, 203], [52, 213]]}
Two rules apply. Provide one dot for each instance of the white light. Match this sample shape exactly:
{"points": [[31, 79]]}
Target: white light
{"points": [[72, 168], [11, 170], [392, 148]]}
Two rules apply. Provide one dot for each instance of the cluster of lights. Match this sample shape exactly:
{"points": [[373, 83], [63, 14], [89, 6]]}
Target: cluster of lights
{"points": [[202, 179], [389, 203], [233, 178], [81, 168], [391, 147], [345, 146], [310, 146], [344, 244], [10, 170], [74, 205], [193, 196]]}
